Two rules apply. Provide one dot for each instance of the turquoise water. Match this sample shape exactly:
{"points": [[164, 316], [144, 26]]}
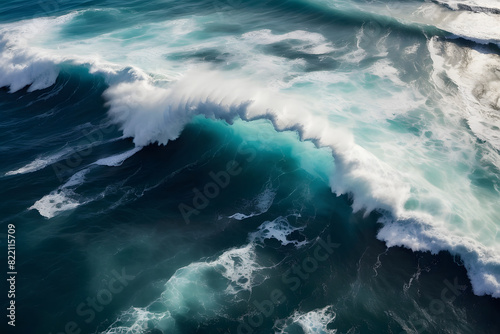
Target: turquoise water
{"points": [[252, 166]]}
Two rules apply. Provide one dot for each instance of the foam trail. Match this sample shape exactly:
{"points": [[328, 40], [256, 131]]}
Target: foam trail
{"points": [[38, 164], [118, 159]]}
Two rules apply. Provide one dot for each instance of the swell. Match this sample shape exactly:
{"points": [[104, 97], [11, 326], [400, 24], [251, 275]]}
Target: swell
{"points": [[156, 111], [370, 183]]}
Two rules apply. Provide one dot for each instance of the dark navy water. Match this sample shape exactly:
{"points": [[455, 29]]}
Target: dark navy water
{"points": [[242, 167]]}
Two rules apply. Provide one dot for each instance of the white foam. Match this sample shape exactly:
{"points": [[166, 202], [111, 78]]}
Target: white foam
{"points": [[411, 49], [478, 5], [312, 322], [118, 159], [54, 203], [278, 229], [38, 163], [315, 322], [22, 65], [311, 43], [62, 199], [479, 26], [136, 320], [76, 179], [238, 266], [22, 69], [476, 75]]}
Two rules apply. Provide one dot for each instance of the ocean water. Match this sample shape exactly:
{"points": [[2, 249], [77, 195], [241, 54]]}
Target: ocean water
{"points": [[266, 166]]}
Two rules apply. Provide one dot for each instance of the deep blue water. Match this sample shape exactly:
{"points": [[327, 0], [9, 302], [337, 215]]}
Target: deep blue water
{"points": [[238, 166]]}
